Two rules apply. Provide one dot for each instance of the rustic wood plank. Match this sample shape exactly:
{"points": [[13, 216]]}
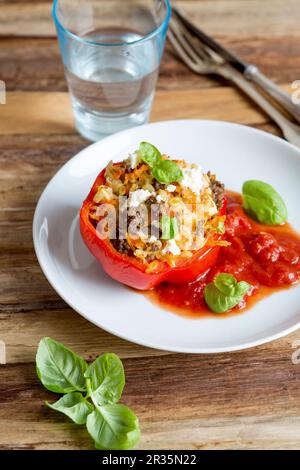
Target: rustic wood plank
{"points": [[50, 113], [270, 433], [226, 403], [35, 64], [238, 433], [231, 18], [31, 64], [27, 165], [22, 332]]}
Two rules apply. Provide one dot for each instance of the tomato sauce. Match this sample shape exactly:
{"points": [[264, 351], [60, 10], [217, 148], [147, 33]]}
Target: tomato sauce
{"points": [[267, 257]]}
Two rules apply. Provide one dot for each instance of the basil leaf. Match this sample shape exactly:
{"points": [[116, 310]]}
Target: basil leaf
{"points": [[225, 293], [149, 154], [242, 288], [59, 369], [167, 172], [169, 227], [226, 283], [107, 378], [263, 203], [216, 301], [113, 427], [74, 405]]}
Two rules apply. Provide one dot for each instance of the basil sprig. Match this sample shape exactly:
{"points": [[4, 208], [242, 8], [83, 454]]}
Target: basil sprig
{"points": [[59, 369], [263, 203], [74, 405], [225, 292], [169, 227], [164, 171], [149, 154], [91, 394]]}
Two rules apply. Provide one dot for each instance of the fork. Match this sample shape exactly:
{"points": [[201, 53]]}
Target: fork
{"points": [[203, 61]]}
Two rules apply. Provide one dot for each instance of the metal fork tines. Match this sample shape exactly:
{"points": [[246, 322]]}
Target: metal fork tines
{"points": [[202, 60]]}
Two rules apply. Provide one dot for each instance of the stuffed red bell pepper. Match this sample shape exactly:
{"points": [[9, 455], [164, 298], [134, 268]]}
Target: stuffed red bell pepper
{"points": [[150, 219]]}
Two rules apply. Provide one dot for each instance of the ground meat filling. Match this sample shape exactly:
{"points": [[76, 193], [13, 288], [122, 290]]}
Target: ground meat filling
{"points": [[122, 246], [217, 189], [149, 245], [158, 185]]}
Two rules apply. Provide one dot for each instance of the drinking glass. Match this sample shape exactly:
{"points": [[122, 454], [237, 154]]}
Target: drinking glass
{"points": [[111, 51]]}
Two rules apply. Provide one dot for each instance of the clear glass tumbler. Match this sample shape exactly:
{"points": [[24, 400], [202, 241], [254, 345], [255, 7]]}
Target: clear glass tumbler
{"points": [[111, 50]]}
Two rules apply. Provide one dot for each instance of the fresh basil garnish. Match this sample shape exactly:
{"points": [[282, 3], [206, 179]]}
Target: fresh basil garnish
{"points": [[164, 171], [225, 292], [59, 369], [169, 227], [74, 405], [263, 203], [149, 154], [107, 378], [113, 426], [167, 172]]}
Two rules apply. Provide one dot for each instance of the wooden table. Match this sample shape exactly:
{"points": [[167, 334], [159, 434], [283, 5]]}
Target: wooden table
{"points": [[248, 399]]}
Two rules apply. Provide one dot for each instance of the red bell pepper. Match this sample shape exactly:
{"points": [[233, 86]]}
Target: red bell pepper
{"points": [[128, 269]]}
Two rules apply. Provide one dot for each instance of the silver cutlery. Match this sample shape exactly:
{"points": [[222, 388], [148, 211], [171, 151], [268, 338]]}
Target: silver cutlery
{"points": [[203, 60], [250, 71]]}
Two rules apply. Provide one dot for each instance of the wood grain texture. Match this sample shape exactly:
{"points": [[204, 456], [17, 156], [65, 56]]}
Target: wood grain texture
{"points": [[35, 65], [47, 113], [234, 19], [220, 401], [248, 399]]}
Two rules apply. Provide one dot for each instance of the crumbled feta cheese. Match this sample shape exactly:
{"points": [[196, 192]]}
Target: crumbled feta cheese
{"points": [[171, 188], [134, 159], [142, 234], [212, 210], [152, 239], [172, 247], [138, 197], [159, 198], [193, 178]]}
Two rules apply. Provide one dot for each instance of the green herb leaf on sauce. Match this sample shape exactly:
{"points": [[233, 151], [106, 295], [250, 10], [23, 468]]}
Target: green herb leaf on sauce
{"points": [[149, 154], [226, 283], [225, 293], [169, 227], [263, 203]]}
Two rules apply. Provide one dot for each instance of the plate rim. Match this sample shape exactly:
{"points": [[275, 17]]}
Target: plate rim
{"points": [[149, 344]]}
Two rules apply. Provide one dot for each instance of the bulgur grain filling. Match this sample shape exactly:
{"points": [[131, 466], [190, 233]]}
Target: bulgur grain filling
{"points": [[178, 217]]}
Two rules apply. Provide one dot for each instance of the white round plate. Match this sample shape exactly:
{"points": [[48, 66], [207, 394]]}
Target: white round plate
{"points": [[236, 153]]}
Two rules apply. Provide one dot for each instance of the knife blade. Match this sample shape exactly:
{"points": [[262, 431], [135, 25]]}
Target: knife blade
{"points": [[229, 56]]}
